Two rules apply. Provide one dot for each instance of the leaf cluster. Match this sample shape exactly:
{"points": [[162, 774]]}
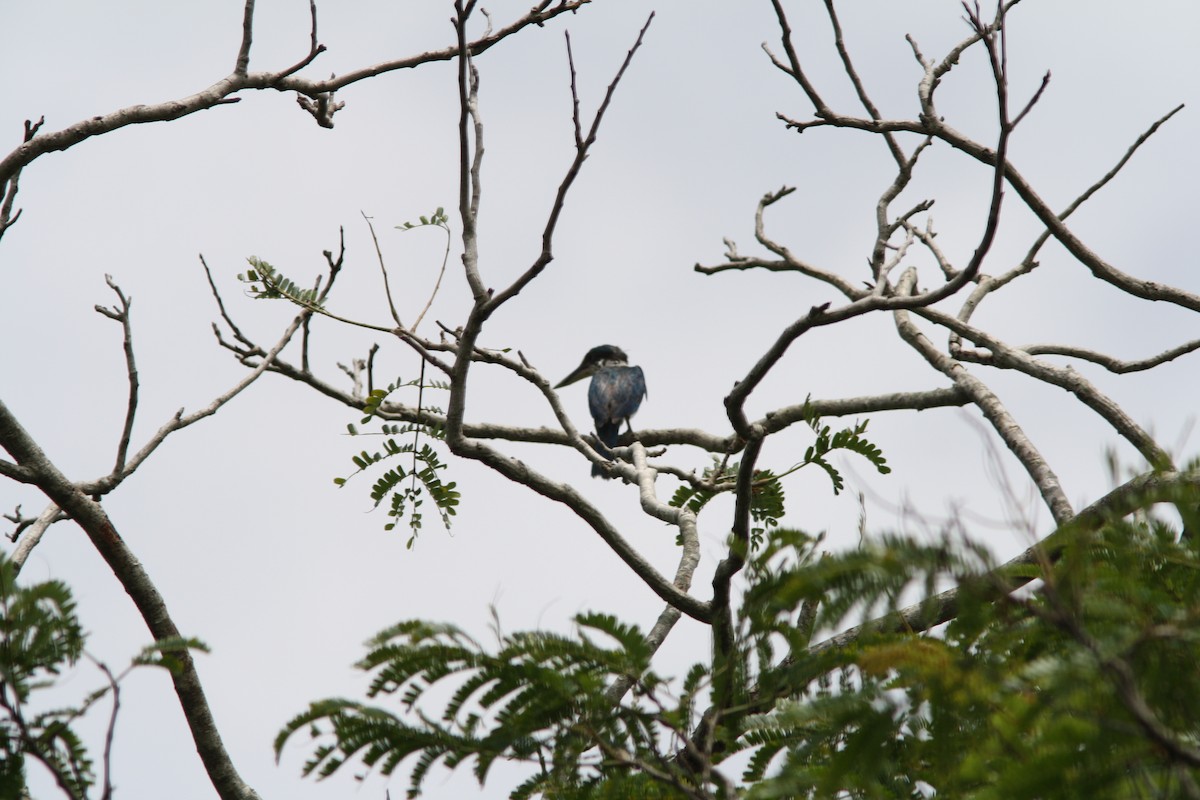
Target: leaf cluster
{"points": [[1021, 696], [40, 635], [1083, 687], [403, 488], [538, 698], [265, 282], [828, 441], [767, 495], [437, 218]]}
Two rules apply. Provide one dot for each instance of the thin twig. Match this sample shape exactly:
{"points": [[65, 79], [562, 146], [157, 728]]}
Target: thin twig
{"points": [[387, 287], [180, 420], [121, 315], [581, 152], [860, 89], [438, 283], [114, 685], [574, 93]]}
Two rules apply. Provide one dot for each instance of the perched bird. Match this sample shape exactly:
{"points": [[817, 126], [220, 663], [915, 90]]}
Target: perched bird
{"points": [[614, 395]]}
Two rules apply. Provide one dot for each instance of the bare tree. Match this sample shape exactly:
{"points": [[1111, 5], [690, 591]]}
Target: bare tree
{"points": [[931, 296]]}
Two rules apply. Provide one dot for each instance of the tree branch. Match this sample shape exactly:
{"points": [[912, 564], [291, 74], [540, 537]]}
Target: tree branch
{"points": [[221, 92], [994, 411], [91, 517], [1138, 493], [180, 420], [581, 153], [121, 315]]}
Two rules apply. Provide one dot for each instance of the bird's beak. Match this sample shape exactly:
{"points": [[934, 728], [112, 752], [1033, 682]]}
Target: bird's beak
{"points": [[584, 370]]}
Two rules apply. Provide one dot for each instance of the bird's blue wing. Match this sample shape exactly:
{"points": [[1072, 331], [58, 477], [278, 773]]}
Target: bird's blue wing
{"points": [[633, 391], [613, 397]]}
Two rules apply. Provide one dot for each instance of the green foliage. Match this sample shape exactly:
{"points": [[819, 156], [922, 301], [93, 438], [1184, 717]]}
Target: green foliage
{"points": [[405, 488], [437, 218], [539, 698], [39, 636], [1081, 685], [766, 499], [1022, 696], [267, 283], [767, 495], [166, 653], [846, 439]]}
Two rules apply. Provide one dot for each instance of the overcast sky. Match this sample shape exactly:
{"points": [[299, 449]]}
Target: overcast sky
{"points": [[238, 519]]}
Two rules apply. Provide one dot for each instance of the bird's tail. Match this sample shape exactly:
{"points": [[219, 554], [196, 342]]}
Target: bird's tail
{"points": [[608, 433]]}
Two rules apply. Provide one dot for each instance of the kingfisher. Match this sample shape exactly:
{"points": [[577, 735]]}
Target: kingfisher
{"points": [[614, 395]]}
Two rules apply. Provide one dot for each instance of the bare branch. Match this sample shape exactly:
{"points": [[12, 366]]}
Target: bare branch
{"points": [[839, 43], [779, 419], [318, 92], [982, 397], [689, 558], [1110, 363], [437, 284], [1033, 100], [15, 471], [180, 420], [242, 65], [519, 472], [221, 304], [793, 67], [886, 228], [760, 233], [387, 287], [1003, 356], [313, 46], [12, 184], [469, 159], [581, 152], [1101, 269], [323, 105], [998, 58], [34, 533], [574, 94], [819, 316], [115, 687], [121, 315], [1028, 263]]}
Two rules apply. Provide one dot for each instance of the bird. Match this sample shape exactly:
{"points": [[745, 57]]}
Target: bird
{"points": [[614, 395]]}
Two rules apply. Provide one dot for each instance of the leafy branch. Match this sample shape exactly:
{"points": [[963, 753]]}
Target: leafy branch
{"points": [[40, 635], [827, 442], [538, 698], [766, 490], [422, 476], [265, 282]]}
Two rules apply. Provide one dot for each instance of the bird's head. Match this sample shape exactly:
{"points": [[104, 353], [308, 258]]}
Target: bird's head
{"points": [[605, 355]]}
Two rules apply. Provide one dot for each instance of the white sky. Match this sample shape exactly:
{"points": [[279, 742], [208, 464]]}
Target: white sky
{"points": [[237, 518]]}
